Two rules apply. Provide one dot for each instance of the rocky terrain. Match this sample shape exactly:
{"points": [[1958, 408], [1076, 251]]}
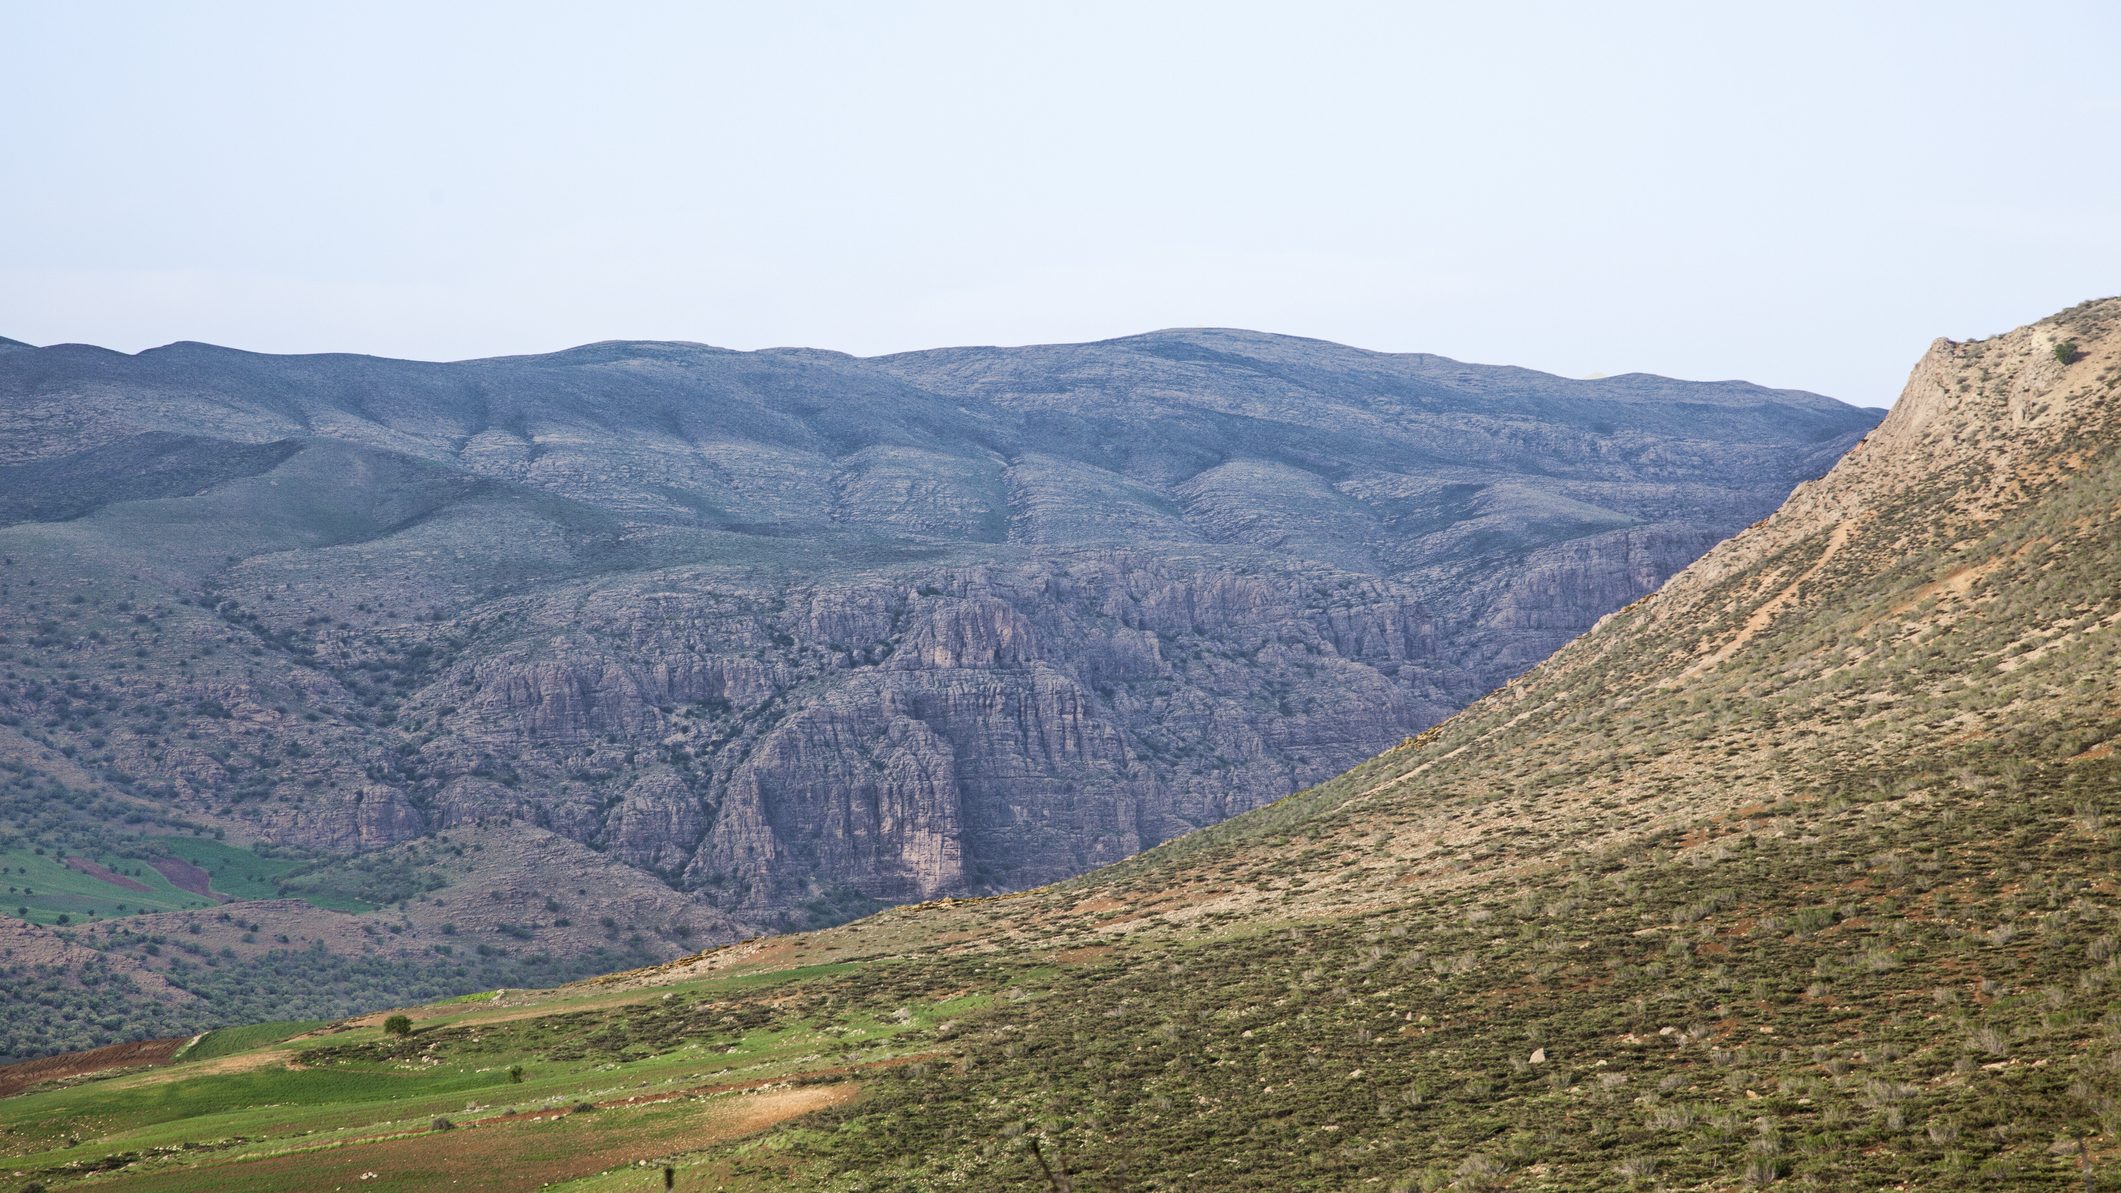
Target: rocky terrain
{"points": [[785, 635], [1798, 872]]}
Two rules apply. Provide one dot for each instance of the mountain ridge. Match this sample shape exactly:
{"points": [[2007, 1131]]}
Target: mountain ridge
{"points": [[791, 635], [1425, 359], [1796, 870]]}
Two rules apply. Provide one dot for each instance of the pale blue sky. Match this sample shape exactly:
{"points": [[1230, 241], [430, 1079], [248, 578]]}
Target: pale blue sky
{"points": [[1799, 195]]}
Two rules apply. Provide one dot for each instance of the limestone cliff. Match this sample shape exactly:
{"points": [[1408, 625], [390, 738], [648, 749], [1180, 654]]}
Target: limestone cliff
{"points": [[795, 632]]}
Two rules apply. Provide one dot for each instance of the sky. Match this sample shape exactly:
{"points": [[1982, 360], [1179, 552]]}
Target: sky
{"points": [[1796, 194]]}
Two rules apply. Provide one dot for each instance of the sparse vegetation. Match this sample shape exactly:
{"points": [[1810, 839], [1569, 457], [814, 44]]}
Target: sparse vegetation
{"points": [[1796, 875], [274, 655]]}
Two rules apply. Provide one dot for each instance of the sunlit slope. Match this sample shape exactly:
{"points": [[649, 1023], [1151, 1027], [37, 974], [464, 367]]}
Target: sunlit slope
{"points": [[1801, 870]]}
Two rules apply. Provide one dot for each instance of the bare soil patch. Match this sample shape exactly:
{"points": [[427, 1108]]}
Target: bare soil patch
{"points": [[22, 1075], [99, 870], [187, 877]]}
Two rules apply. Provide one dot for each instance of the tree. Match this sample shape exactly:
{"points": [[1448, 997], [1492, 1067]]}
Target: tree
{"points": [[398, 1025], [2067, 352]]}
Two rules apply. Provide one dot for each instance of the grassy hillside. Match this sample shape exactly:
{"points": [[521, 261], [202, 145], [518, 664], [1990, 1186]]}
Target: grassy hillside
{"points": [[788, 635], [1799, 872]]}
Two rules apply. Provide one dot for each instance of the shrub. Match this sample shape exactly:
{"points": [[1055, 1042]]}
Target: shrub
{"points": [[398, 1025], [2067, 352]]}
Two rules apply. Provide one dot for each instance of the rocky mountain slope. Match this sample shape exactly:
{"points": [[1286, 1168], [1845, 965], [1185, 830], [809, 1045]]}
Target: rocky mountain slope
{"points": [[785, 634], [1799, 871]]}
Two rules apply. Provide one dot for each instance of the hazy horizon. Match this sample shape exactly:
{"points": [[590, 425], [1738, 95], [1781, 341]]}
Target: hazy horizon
{"points": [[878, 355], [1803, 199]]}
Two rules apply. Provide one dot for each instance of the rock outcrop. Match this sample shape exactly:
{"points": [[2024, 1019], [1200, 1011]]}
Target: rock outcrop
{"points": [[798, 633]]}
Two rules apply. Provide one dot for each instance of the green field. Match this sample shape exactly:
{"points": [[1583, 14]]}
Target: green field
{"points": [[246, 875], [597, 1080], [43, 889], [236, 871], [226, 1041]]}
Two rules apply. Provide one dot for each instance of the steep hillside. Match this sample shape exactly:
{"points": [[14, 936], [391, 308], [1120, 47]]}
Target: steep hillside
{"points": [[787, 634], [1801, 870]]}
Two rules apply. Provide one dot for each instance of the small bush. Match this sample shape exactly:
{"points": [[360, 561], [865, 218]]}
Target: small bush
{"points": [[2067, 352], [398, 1025]]}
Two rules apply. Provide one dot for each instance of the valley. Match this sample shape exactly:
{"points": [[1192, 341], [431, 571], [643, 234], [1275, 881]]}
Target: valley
{"points": [[1799, 869], [514, 671]]}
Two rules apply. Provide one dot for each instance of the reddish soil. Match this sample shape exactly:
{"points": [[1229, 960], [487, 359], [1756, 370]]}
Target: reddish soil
{"points": [[187, 877], [98, 870], [20, 1076]]}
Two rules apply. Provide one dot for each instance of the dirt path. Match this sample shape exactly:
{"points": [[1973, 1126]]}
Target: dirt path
{"points": [[1765, 615]]}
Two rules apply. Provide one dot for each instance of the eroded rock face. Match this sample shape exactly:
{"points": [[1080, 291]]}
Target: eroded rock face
{"points": [[794, 632], [909, 734]]}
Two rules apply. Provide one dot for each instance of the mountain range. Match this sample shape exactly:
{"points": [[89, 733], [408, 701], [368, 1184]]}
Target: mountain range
{"points": [[1798, 870], [334, 681]]}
